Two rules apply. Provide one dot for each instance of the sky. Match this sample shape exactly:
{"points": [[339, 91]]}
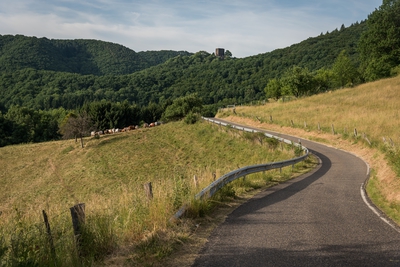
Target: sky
{"points": [[244, 27]]}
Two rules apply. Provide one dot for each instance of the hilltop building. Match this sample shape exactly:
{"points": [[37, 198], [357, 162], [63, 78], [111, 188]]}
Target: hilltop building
{"points": [[220, 52]]}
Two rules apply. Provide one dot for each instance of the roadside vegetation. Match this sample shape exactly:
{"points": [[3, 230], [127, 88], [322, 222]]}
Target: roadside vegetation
{"points": [[121, 223], [366, 117]]}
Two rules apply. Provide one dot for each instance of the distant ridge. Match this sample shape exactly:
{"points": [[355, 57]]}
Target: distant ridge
{"points": [[80, 56], [47, 74]]}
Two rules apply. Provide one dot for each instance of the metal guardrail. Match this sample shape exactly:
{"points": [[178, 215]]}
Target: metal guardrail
{"points": [[210, 190]]}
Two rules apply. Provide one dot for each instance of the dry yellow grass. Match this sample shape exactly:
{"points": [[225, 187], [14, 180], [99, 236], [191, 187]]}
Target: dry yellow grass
{"points": [[108, 176], [372, 109]]}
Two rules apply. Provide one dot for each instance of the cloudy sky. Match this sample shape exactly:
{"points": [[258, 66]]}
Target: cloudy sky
{"points": [[245, 27]]}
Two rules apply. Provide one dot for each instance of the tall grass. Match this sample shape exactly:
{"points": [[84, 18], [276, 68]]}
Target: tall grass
{"points": [[108, 176]]}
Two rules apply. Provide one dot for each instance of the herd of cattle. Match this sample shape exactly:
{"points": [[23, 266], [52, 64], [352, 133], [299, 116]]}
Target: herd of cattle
{"points": [[125, 129]]}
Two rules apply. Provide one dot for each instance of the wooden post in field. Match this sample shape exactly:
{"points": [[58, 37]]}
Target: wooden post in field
{"points": [[49, 236], [319, 127], [355, 132], [196, 181], [78, 220], [305, 124], [333, 129], [270, 118], [291, 121], [391, 143], [366, 138], [149, 190], [214, 176]]}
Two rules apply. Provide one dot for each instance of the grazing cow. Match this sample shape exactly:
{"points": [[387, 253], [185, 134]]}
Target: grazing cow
{"points": [[152, 124], [93, 133], [145, 125]]}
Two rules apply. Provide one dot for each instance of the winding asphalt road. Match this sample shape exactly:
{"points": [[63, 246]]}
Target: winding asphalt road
{"points": [[318, 219]]}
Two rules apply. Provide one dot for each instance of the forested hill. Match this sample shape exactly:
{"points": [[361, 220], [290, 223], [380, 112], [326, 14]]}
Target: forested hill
{"points": [[76, 56], [217, 82]]}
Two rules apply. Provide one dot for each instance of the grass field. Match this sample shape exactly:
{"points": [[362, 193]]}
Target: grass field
{"points": [[108, 176], [370, 110]]}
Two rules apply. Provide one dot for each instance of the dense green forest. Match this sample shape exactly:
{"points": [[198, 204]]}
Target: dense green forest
{"points": [[216, 81], [76, 56], [53, 77]]}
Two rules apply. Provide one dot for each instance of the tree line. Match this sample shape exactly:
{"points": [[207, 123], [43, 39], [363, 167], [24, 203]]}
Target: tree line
{"points": [[25, 125]]}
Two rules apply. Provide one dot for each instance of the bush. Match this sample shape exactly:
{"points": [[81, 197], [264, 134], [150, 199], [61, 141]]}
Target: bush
{"points": [[192, 118]]}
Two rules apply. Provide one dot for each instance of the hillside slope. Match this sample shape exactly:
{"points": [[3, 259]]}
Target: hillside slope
{"points": [[76, 56], [108, 176], [365, 120], [216, 81]]}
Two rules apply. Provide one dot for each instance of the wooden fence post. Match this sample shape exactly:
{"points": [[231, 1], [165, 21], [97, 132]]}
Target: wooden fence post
{"points": [[355, 132], [333, 129], [319, 126], [366, 138], [149, 190], [214, 176], [196, 181], [270, 118], [291, 121], [78, 220], [49, 236]]}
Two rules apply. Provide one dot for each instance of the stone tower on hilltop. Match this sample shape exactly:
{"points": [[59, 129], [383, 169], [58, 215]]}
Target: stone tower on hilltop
{"points": [[220, 52]]}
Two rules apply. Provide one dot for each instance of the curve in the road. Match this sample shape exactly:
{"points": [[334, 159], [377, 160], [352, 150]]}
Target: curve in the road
{"points": [[317, 219]]}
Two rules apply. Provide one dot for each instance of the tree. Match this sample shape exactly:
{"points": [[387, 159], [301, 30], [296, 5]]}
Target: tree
{"points": [[228, 54], [273, 89], [297, 81], [76, 126], [183, 106], [343, 70], [46, 127], [379, 45], [323, 79]]}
